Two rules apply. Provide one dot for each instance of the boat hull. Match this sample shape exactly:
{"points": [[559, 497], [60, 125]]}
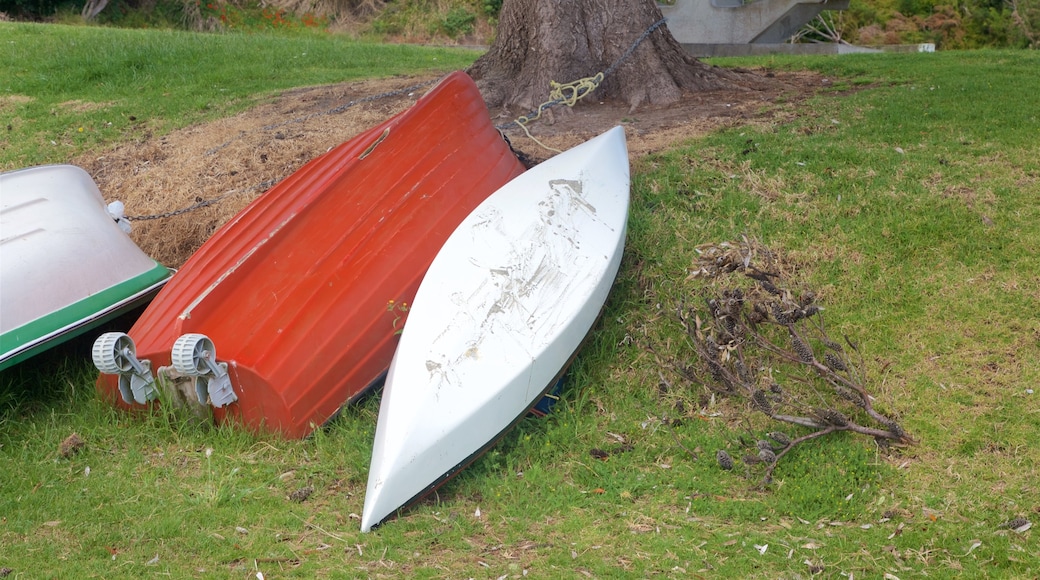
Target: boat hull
{"points": [[65, 265], [498, 318], [304, 291]]}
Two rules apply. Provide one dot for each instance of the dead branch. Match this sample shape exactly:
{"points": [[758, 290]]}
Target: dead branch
{"points": [[744, 335]]}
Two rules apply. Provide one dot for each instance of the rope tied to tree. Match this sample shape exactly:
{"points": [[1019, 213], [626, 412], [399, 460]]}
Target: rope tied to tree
{"points": [[579, 88], [561, 93], [564, 93]]}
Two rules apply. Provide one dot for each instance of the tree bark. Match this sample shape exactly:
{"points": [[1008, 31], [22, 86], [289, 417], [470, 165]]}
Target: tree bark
{"points": [[539, 41]]}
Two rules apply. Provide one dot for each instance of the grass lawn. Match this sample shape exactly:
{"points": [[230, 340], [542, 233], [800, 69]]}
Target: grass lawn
{"points": [[908, 205], [66, 89]]}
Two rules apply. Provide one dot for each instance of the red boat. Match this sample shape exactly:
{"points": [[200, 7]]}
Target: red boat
{"points": [[293, 308]]}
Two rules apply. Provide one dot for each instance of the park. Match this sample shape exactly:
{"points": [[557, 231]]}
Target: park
{"points": [[888, 198]]}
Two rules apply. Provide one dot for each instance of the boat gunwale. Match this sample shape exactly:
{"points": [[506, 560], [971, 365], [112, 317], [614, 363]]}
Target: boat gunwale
{"points": [[157, 278]]}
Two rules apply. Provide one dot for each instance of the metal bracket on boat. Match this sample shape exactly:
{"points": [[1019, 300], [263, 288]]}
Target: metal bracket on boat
{"points": [[194, 355], [114, 353]]}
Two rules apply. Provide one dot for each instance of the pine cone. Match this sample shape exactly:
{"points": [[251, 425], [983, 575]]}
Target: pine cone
{"points": [[713, 308], [781, 316], [301, 495], [851, 396], [1015, 524], [761, 402], [805, 354], [780, 437], [767, 455], [716, 371], [769, 287], [895, 429], [725, 461], [834, 361], [711, 348], [831, 417]]}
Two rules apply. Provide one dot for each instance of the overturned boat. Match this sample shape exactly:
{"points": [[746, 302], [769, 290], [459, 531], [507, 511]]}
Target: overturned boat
{"points": [[498, 318], [294, 307], [66, 265]]}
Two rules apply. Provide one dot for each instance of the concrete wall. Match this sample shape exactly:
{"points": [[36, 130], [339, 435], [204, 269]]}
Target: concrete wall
{"points": [[736, 22]]}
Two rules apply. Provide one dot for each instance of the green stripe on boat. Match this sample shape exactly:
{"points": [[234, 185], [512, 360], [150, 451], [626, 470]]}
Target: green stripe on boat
{"points": [[28, 340]]}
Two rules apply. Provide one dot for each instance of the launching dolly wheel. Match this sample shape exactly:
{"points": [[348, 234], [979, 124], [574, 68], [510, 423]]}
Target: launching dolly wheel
{"points": [[114, 353], [195, 356]]}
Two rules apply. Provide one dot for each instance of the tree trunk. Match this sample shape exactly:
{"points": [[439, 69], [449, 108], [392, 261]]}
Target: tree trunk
{"points": [[539, 41], [92, 8]]}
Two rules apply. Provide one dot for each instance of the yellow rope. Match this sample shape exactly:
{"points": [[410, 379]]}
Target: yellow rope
{"points": [[535, 139], [561, 93], [578, 89]]}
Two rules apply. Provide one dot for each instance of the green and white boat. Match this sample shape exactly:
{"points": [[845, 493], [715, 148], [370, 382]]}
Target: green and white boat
{"points": [[66, 264]]}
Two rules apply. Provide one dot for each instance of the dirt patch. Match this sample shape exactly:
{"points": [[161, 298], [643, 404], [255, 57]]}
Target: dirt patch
{"points": [[78, 106], [9, 101], [219, 167]]}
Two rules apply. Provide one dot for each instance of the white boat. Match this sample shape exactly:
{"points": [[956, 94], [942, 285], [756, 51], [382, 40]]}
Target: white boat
{"points": [[498, 317], [66, 265]]}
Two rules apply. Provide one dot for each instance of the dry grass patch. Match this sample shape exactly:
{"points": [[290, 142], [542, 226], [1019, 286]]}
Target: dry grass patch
{"points": [[229, 162], [12, 101], [78, 106]]}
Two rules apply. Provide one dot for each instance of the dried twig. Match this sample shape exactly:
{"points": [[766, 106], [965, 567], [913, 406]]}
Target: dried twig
{"points": [[744, 336]]}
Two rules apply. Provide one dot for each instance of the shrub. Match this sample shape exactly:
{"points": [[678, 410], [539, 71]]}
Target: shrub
{"points": [[491, 7], [458, 22]]}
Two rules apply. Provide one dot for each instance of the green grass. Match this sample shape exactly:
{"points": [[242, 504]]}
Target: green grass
{"points": [[905, 195], [66, 89]]}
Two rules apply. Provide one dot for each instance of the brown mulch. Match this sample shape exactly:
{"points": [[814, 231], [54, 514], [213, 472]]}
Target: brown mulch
{"points": [[238, 158]]}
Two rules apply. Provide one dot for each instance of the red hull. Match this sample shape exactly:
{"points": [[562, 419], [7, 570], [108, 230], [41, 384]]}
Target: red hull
{"points": [[294, 290]]}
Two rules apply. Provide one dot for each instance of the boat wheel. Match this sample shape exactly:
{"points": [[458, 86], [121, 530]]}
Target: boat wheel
{"points": [[193, 354], [114, 353]]}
